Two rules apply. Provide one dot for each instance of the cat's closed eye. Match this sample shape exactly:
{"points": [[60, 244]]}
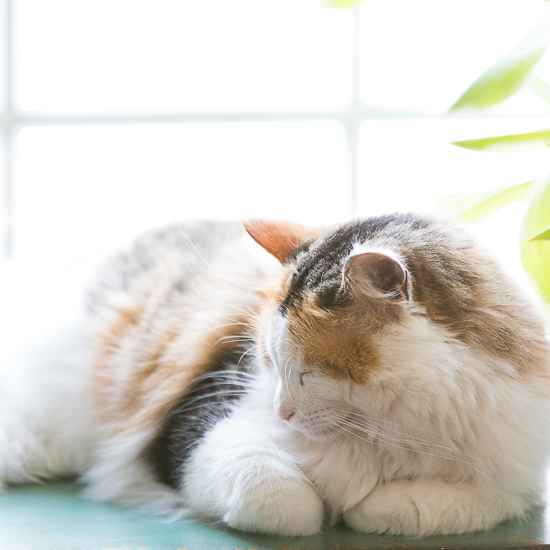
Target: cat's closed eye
{"points": [[303, 375]]}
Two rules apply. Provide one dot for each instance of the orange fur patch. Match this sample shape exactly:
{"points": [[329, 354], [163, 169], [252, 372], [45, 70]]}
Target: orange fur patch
{"points": [[335, 342], [161, 369], [279, 238], [147, 356]]}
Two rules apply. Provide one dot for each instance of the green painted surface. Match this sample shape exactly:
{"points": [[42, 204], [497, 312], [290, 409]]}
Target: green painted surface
{"points": [[55, 517]]}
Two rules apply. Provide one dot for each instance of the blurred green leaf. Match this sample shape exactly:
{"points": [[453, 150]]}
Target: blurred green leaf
{"points": [[535, 249], [509, 73], [511, 143], [543, 235], [472, 207], [341, 3], [540, 88]]}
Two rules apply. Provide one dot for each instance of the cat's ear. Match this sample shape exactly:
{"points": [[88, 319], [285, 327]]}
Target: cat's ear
{"points": [[380, 271], [279, 238]]}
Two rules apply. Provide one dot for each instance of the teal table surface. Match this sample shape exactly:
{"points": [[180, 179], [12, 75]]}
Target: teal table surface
{"points": [[55, 517]]}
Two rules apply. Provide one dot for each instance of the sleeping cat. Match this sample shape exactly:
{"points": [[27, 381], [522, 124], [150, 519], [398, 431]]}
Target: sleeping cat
{"points": [[384, 373]]}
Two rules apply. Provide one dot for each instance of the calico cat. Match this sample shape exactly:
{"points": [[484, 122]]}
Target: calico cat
{"points": [[384, 373]]}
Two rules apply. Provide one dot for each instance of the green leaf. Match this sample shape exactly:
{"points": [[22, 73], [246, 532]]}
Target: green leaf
{"points": [[539, 87], [511, 143], [472, 207], [341, 3], [509, 73], [535, 249], [543, 235]]}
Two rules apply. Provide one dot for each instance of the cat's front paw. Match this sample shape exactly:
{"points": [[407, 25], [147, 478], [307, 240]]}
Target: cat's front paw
{"points": [[428, 507], [388, 509], [276, 506]]}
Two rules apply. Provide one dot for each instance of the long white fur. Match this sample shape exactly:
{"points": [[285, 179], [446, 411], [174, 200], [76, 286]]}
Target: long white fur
{"points": [[47, 424], [464, 444]]}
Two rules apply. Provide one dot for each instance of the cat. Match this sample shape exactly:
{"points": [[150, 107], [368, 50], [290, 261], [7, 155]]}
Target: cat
{"points": [[383, 372]]}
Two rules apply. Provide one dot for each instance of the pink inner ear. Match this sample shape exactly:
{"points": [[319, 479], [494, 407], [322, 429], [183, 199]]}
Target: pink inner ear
{"points": [[279, 238], [384, 272]]}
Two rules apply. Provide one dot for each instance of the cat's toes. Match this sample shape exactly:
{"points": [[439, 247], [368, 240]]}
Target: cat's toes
{"points": [[386, 510], [289, 507]]}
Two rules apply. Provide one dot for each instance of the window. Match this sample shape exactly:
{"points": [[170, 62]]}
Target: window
{"points": [[117, 115]]}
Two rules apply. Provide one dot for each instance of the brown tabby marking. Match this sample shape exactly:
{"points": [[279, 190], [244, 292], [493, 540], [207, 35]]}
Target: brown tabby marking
{"points": [[473, 303]]}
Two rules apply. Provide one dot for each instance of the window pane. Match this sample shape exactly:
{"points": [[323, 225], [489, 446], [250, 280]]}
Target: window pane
{"points": [[78, 187], [422, 55], [166, 55], [4, 32], [4, 213]]}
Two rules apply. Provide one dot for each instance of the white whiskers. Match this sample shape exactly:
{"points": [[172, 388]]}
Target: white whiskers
{"points": [[379, 432]]}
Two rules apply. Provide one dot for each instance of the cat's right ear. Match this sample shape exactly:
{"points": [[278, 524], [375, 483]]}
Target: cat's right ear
{"points": [[380, 271], [279, 238]]}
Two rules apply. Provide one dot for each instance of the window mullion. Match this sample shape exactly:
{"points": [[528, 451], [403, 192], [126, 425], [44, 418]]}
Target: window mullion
{"points": [[354, 118], [6, 128]]}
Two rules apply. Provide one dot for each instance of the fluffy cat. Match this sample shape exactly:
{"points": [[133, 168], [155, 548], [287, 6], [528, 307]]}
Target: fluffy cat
{"points": [[384, 373]]}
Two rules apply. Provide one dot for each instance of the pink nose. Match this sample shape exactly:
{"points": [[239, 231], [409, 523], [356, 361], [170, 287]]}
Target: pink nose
{"points": [[285, 415]]}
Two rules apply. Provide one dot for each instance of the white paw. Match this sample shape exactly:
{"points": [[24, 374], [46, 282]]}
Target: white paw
{"points": [[429, 507], [269, 504], [386, 510]]}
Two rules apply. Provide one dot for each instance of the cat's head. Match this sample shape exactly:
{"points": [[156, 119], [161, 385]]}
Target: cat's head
{"points": [[339, 293], [388, 317]]}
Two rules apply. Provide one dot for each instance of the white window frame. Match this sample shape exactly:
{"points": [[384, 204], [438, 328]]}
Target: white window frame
{"points": [[12, 119], [7, 127]]}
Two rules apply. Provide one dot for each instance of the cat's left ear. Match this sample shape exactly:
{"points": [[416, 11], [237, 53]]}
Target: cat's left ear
{"points": [[279, 238], [381, 271]]}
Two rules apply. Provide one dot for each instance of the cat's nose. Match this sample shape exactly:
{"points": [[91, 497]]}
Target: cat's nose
{"points": [[284, 408], [285, 415]]}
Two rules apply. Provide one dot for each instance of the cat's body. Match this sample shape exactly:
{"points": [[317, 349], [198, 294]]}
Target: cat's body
{"points": [[383, 372]]}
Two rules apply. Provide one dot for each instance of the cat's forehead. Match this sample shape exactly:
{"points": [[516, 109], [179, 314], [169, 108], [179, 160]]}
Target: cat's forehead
{"points": [[316, 268]]}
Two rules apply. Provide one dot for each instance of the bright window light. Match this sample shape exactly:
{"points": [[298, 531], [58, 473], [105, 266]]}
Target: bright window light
{"points": [[83, 187], [174, 55]]}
